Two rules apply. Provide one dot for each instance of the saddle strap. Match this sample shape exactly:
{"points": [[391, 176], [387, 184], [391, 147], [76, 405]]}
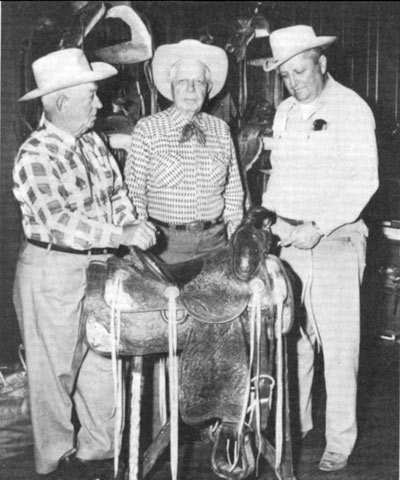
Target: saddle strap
{"points": [[115, 331], [172, 293]]}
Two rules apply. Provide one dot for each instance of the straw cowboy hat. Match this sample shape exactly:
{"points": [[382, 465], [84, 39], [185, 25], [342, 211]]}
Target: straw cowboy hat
{"points": [[288, 42], [63, 69], [167, 55]]}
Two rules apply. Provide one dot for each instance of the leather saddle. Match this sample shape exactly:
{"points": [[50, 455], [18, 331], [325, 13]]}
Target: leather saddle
{"points": [[218, 377]]}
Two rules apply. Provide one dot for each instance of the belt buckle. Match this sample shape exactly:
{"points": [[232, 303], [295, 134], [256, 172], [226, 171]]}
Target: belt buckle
{"points": [[195, 227]]}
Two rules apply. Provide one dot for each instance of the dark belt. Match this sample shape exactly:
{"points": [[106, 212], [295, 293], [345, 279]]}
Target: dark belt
{"points": [[57, 248], [199, 226]]}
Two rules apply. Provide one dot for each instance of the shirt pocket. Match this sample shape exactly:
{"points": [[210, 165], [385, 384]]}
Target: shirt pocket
{"points": [[321, 141], [168, 170], [216, 169]]}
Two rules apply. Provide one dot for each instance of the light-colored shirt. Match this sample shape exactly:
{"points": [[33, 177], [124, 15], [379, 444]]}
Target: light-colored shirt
{"points": [[326, 176], [70, 192], [178, 182]]}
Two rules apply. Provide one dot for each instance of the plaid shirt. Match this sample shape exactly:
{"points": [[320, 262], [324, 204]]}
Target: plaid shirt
{"points": [[184, 182], [70, 191]]}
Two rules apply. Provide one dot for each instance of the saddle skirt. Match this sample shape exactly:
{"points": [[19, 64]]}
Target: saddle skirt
{"points": [[213, 373]]}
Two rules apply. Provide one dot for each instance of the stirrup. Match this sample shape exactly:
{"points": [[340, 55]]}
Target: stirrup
{"points": [[221, 464]]}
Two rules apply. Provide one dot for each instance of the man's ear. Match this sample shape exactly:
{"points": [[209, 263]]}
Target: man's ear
{"points": [[323, 63], [62, 102]]}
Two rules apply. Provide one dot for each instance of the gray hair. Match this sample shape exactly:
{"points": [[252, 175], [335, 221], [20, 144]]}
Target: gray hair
{"points": [[49, 102]]}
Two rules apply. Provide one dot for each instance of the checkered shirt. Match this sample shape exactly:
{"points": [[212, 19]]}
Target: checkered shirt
{"points": [[70, 192], [184, 182]]}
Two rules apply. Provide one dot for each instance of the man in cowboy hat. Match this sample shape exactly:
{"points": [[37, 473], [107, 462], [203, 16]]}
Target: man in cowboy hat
{"points": [[182, 172], [74, 209], [324, 172]]}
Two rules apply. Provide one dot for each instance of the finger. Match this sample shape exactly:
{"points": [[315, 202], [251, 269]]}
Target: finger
{"points": [[144, 244], [144, 238], [286, 243], [148, 239], [150, 225], [146, 232]]}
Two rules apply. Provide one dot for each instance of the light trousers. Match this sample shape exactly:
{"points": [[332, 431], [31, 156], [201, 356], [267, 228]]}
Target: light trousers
{"points": [[330, 275], [49, 290]]}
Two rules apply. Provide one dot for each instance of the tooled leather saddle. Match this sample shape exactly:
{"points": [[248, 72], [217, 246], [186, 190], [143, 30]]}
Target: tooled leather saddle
{"points": [[226, 373]]}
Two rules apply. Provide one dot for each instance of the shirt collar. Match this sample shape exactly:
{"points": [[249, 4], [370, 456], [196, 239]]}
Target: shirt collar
{"points": [[329, 88], [180, 121], [65, 137]]}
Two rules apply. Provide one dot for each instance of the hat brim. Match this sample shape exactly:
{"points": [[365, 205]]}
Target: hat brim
{"points": [[100, 71], [167, 55], [323, 42]]}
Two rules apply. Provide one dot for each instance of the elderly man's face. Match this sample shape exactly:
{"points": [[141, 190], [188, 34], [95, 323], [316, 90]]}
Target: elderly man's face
{"points": [[189, 86], [83, 104], [304, 76]]}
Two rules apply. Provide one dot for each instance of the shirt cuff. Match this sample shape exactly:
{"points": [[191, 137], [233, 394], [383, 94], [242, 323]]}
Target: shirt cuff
{"points": [[113, 235]]}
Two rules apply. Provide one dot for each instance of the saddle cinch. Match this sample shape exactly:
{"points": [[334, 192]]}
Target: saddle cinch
{"points": [[232, 308]]}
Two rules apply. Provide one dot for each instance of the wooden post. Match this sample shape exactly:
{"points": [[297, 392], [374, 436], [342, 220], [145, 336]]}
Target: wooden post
{"points": [[157, 447]]}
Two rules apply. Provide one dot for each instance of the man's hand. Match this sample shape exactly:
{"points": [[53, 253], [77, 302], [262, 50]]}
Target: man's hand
{"points": [[283, 231], [269, 143], [120, 141], [305, 236], [141, 234]]}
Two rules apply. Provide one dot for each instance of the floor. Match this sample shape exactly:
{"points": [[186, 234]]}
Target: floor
{"points": [[376, 455]]}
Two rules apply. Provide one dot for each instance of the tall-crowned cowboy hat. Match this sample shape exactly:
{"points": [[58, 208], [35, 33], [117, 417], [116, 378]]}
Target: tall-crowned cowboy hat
{"points": [[167, 55], [63, 69], [288, 42]]}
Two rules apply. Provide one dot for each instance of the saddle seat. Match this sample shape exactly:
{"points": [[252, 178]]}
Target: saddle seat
{"points": [[209, 292]]}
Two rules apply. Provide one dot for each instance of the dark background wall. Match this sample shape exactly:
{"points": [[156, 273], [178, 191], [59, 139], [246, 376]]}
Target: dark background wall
{"points": [[365, 58]]}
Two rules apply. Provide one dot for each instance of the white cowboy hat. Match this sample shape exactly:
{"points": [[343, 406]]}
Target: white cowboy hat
{"points": [[63, 69], [137, 49], [288, 42], [167, 55]]}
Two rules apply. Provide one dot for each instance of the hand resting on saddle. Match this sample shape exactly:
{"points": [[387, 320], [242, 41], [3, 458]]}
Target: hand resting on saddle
{"points": [[141, 234], [303, 236]]}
